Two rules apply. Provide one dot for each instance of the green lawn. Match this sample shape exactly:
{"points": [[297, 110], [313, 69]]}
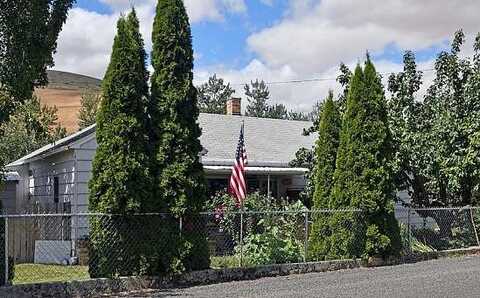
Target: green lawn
{"points": [[36, 273], [224, 262]]}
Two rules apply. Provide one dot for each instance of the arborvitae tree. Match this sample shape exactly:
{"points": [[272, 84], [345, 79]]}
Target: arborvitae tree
{"points": [[363, 177], [257, 95], [87, 115], [121, 180], [325, 153], [181, 186], [213, 96]]}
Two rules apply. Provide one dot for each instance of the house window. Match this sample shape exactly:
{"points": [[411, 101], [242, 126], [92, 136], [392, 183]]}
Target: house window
{"points": [[56, 191], [216, 185]]}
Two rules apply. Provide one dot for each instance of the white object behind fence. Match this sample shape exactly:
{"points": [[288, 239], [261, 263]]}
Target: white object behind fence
{"points": [[52, 252]]}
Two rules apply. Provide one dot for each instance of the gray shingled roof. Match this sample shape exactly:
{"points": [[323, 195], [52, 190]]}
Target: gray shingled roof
{"points": [[269, 142], [48, 149]]}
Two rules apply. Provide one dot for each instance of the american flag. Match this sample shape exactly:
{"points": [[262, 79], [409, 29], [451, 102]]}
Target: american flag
{"points": [[238, 185]]}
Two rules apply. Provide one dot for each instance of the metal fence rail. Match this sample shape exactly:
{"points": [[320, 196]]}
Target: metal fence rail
{"points": [[58, 247]]}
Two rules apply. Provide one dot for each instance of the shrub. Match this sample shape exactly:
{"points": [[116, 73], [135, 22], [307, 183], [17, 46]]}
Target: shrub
{"points": [[268, 237], [128, 245], [273, 246], [343, 236], [411, 243]]}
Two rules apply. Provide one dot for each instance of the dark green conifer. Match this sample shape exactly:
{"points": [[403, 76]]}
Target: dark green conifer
{"points": [[363, 177], [325, 154], [181, 186], [121, 180]]}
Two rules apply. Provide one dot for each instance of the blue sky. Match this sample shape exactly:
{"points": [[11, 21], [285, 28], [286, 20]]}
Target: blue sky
{"points": [[220, 42], [278, 40]]}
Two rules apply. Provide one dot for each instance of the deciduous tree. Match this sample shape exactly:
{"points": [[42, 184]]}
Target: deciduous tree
{"points": [[31, 126], [87, 115], [28, 40]]}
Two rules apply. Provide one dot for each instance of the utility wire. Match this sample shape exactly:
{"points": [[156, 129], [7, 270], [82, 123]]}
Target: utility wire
{"points": [[299, 81]]}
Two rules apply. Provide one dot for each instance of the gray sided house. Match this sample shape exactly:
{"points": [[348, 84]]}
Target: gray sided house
{"points": [[8, 191], [55, 178]]}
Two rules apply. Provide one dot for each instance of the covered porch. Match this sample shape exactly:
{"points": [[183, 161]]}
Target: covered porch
{"points": [[278, 182]]}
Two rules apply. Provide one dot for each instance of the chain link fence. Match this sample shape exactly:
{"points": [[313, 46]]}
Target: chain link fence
{"points": [[61, 247]]}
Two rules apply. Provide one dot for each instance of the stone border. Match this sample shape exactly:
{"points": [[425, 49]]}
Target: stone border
{"points": [[103, 286]]}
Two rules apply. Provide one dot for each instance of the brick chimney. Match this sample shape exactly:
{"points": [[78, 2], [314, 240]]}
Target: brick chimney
{"points": [[234, 106]]}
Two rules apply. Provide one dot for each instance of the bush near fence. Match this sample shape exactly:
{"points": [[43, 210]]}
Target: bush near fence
{"points": [[235, 239]]}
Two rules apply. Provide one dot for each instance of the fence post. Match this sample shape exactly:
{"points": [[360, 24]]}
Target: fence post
{"points": [[180, 224], [474, 227], [6, 250], [409, 231], [73, 245], [306, 237], [241, 237]]}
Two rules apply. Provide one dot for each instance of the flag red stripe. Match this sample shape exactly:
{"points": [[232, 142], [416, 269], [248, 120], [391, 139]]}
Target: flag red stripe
{"points": [[237, 185]]}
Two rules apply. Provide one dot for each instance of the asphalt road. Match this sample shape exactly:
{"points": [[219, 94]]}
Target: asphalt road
{"points": [[456, 277]]}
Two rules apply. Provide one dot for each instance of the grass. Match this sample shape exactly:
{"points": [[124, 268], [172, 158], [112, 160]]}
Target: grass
{"points": [[224, 262], [36, 273], [40, 273]]}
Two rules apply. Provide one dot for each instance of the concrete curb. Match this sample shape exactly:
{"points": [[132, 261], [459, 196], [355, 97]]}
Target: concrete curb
{"points": [[100, 286]]}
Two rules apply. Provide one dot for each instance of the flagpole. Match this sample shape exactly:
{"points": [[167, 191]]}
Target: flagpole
{"points": [[242, 209]]}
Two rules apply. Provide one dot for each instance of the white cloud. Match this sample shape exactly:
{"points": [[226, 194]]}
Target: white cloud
{"points": [[85, 42], [315, 36], [267, 2], [302, 96], [310, 40], [205, 10]]}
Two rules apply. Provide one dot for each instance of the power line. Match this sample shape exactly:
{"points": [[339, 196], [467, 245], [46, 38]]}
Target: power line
{"points": [[316, 79]]}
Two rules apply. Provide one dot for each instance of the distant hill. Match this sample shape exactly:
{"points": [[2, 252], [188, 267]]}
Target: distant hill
{"points": [[64, 91], [68, 80]]}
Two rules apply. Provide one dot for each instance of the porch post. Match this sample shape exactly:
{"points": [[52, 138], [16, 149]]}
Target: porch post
{"points": [[268, 185]]}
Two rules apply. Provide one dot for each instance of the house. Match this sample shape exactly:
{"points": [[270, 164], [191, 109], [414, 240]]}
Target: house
{"points": [[8, 191], [55, 177]]}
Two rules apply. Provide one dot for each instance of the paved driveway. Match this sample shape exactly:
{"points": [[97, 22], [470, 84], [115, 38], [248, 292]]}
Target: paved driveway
{"points": [[456, 277]]}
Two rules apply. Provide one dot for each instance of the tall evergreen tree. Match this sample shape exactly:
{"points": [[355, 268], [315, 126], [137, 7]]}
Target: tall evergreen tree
{"points": [[363, 177], [213, 95], [181, 186], [325, 153], [276, 111], [121, 180], [257, 96]]}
